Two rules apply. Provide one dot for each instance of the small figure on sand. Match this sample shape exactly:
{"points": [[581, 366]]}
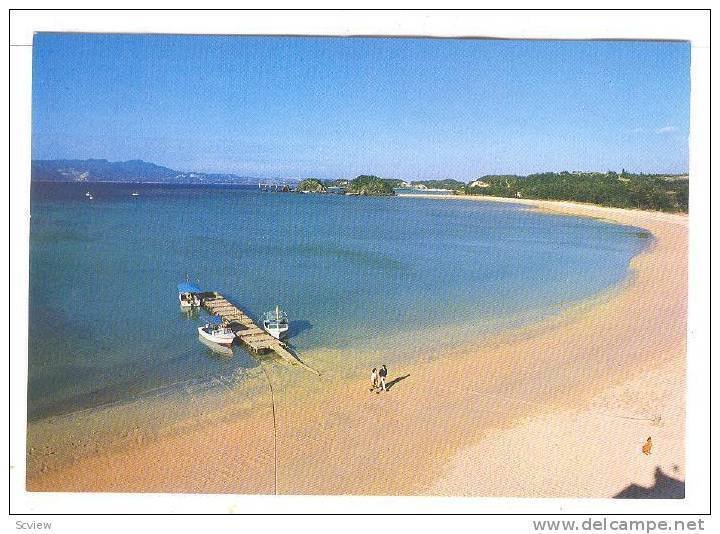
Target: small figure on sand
{"points": [[383, 375], [374, 379], [646, 448]]}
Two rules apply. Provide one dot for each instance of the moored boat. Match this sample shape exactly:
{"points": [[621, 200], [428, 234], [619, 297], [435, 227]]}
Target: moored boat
{"points": [[275, 323], [216, 332], [188, 295]]}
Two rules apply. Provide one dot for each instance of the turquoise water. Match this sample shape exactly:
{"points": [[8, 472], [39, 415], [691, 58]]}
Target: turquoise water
{"points": [[105, 324]]}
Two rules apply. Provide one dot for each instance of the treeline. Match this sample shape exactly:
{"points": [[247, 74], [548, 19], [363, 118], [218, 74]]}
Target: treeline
{"points": [[448, 183], [311, 185], [624, 190], [660, 192], [372, 186], [365, 185], [386, 185]]}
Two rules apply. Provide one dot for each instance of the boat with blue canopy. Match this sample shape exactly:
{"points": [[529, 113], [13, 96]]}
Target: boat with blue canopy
{"points": [[188, 294]]}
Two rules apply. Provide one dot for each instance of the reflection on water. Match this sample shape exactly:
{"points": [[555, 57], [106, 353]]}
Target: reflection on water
{"points": [[215, 349], [190, 313]]}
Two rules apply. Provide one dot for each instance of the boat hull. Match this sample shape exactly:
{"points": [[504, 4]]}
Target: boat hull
{"points": [[216, 348], [276, 332], [188, 301], [276, 323], [225, 339]]}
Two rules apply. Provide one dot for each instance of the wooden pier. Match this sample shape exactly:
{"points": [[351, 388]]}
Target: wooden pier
{"points": [[247, 332]]}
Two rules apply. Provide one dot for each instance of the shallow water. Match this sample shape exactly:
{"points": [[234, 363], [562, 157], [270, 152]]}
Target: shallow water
{"points": [[105, 324]]}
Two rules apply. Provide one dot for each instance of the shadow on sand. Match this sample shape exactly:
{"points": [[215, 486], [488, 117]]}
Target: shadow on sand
{"points": [[665, 487], [394, 381]]}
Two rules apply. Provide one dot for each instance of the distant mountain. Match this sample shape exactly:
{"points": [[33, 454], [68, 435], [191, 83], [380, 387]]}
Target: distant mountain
{"points": [[134, 171]]}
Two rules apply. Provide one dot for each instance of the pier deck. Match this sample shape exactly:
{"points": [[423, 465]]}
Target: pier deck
{"points": [[246, 331]]}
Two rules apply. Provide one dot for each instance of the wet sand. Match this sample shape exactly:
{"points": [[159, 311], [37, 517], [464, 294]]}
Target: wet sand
{"points": [[559, 408]]}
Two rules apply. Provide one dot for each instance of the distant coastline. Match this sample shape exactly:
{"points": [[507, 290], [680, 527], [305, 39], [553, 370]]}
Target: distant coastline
{"points": [[655, 192], [132, 171], [178, 184]]}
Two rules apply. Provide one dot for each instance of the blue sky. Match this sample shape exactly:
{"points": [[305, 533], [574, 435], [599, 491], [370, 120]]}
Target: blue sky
{"points": [[339, 107]]}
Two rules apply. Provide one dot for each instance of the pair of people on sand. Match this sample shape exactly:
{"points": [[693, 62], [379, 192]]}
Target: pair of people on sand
{"points": [[378, 377]]}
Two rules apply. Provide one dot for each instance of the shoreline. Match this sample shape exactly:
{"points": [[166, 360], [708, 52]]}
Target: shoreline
{"points": [[567, 207], [441, 418]]}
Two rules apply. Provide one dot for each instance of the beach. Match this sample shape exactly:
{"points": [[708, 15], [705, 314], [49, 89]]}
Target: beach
{"points": [[508, 415]]}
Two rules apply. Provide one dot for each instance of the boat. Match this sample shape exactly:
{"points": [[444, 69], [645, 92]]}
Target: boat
{"points": [[188, 295], [87, 194], [275, 323], [135, 193], [216, 332]]}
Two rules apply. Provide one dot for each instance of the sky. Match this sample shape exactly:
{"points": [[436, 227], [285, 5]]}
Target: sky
{"points": [[297, 107]]}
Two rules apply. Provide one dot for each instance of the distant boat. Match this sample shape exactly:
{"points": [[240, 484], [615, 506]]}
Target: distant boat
{"points": [[87, 194], [135, 193], [188, 295], [215, 332], [275, 323]]}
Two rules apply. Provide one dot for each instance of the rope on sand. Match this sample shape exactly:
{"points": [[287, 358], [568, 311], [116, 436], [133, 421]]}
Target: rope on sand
{"points": [[272, 397]]}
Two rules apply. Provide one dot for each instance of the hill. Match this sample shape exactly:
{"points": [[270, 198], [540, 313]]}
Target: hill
{"points": [[133, 171], [370, 186], [311, 185]]}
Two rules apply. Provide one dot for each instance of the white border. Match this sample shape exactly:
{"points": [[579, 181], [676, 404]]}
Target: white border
{"points": [[666, 25], [691, 26]]}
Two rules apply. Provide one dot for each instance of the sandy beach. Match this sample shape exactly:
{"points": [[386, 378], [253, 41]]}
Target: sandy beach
{"points": [[561, 408]]}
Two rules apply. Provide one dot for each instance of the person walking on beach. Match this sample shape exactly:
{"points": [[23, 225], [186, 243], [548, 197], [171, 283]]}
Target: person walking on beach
{"points": [[383, 376], [374, 379]]}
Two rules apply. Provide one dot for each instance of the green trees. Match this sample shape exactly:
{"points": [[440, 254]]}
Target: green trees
{"points": [[448, 183], [370, 186], [624, 190], [639, 191], [311, 185]]}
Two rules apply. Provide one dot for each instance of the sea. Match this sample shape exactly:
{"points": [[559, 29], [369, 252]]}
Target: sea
{"points": [[387, 274]]}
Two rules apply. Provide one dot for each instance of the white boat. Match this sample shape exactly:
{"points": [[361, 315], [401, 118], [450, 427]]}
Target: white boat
{"points": [[275, 323], [188, 295], [216, 333], [87, 194], [135, 193]]}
